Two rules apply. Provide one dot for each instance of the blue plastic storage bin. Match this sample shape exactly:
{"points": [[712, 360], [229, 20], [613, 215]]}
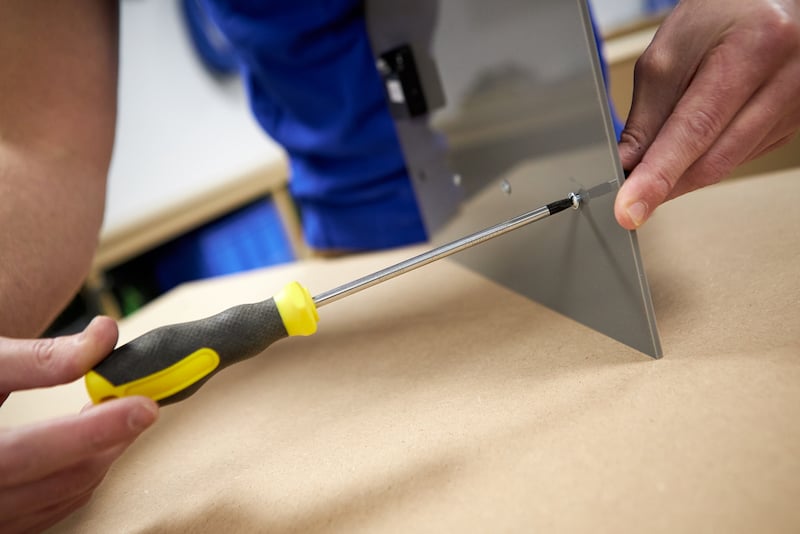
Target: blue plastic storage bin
{"points": [[249, 238], [657, 6]]}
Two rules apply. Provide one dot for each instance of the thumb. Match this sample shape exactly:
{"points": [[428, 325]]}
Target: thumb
{"points": [[32, 363]]}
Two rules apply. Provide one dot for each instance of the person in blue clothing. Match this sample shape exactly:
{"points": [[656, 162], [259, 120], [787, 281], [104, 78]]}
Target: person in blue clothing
{"points": [[717, 87], [313, 87], [301, 61]]}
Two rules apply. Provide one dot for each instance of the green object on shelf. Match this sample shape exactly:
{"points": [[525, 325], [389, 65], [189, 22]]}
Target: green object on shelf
{"points": [[131, 299]]}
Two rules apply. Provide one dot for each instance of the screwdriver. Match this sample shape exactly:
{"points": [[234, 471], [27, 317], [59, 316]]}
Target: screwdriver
{"points": [[170, 363]]}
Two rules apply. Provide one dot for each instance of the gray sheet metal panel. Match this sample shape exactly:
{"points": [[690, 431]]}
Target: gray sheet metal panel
{"points": [[519, 113]]}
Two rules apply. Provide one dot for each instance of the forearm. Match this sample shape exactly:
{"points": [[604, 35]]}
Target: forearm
{"points": [[58, 68], [50, 211]]}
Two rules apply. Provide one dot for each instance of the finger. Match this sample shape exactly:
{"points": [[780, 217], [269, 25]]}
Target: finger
{"points": [[699, 179], [66, 485], [660, 77], [705, 111], [761, 125], [34, 452], [761, 151], [46, 362], [783, 132], [45, 518]]}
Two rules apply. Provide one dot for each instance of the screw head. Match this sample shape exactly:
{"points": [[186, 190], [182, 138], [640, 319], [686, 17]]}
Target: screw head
{"points": [[576, 200]]}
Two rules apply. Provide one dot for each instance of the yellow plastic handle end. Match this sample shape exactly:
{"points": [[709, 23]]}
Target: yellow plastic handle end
{"points": [[297, 309], [157, 386]]}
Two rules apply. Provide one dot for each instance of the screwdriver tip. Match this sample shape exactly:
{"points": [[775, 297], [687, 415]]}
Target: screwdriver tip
{"points": [[572, 201]]}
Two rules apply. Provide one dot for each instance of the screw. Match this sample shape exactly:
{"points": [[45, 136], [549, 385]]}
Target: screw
{"points": [[505, 186]]}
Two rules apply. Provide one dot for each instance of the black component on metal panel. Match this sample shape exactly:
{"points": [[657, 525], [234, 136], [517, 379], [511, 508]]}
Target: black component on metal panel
{"points": [[402, 83]]}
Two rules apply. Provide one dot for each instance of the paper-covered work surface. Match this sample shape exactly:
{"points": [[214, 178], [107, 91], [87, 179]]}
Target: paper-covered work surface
{"points": [[441, 402]]}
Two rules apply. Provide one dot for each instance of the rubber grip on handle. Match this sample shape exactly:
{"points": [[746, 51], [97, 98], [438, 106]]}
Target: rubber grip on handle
{"points": [[170, 363]]}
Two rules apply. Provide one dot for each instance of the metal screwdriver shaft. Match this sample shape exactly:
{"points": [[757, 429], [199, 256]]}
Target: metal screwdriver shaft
{"points": [[572, 201], [172, 362]]}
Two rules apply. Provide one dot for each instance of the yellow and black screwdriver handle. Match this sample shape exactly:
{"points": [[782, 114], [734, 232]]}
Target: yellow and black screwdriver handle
{"points": [[170, 363]]}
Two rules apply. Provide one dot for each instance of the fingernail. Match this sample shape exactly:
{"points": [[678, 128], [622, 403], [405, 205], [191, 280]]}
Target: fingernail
{"points": [[637, 212], [142, 417]]}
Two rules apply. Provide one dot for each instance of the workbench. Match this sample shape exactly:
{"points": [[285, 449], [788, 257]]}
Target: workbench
{"points": [[442, 402]]}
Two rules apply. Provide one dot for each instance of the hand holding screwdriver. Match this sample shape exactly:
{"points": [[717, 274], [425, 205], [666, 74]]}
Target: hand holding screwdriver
{"points": [[170, 363]]}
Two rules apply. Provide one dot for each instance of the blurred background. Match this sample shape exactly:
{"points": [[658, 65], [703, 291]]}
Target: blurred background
{"points": [[197, 190]]}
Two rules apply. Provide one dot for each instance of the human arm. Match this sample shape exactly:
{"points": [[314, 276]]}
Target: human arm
{"points": [[58, 68], [717, 87], [48, 470], [58, 62]]}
